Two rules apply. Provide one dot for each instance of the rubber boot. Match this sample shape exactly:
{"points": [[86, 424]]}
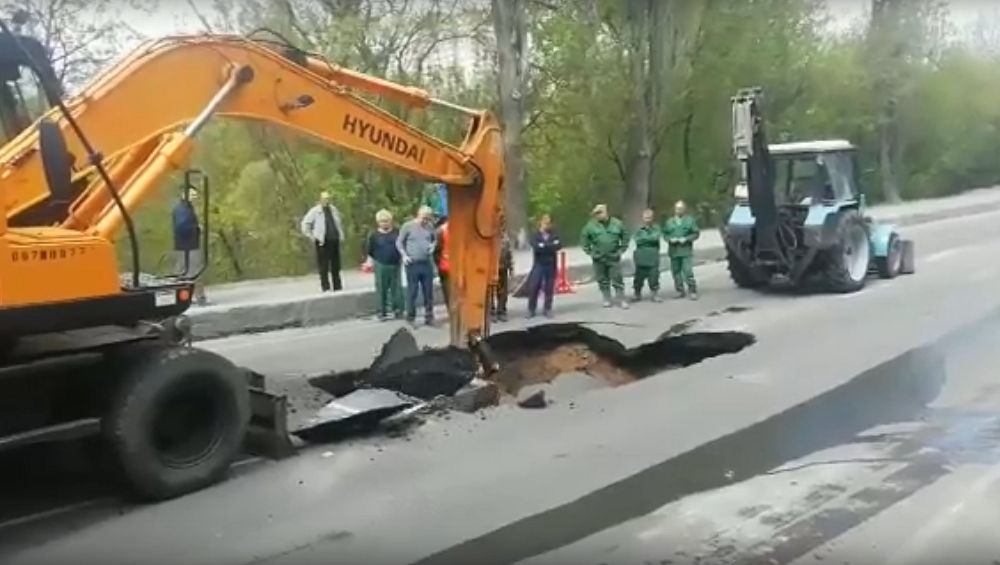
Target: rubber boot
{"points": [[607, 299], [621, 300]]}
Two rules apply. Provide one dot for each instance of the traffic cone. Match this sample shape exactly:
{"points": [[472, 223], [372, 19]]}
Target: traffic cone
{"points": [[562, 279]]}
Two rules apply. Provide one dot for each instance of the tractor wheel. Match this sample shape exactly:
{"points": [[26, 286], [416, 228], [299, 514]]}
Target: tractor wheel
{"points": [[176, 421], [889, 266], [742, 274], [847, 262]]}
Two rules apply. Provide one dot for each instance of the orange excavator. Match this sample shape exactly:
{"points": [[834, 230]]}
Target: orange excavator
{"points": [[89, 349]]}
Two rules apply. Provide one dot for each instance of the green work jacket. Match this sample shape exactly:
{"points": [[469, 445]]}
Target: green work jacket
{"points": [[682, 228]]}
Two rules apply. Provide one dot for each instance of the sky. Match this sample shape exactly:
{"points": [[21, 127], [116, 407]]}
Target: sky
{"points": [[177, 16]]}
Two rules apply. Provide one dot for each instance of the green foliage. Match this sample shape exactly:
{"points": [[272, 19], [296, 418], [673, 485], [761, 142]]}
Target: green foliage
{"points": [[580, 98]]}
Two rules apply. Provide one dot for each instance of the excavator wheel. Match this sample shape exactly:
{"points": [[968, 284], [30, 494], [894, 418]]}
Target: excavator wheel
{"points": [[176, 421], [745, 276], [847, 261]]}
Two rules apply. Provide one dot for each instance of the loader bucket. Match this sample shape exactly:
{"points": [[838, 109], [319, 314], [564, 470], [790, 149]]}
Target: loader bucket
{"points": [[267, 434]]}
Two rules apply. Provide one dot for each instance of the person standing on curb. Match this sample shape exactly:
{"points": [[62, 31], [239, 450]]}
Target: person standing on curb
{"points": [[545, 245], [505, 271], [324, 226], [386, 258], [416, 244], [187, 242], [604, 239], [681, 231], [647, 257]]}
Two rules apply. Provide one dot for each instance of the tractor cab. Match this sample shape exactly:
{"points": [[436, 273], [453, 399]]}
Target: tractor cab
{"points": [[814, 172]]}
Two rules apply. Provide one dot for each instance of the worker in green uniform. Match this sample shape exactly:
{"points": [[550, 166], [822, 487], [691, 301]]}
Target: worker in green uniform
{"points": [[647, 257], [680, 231], [604, 239]]}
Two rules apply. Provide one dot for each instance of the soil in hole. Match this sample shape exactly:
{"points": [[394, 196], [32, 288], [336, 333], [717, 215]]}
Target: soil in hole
{"points": [[541, 354], [537, 367]]}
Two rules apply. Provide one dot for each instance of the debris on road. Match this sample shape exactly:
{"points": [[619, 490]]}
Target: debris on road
{"points": [[360, 409], [532, 398]]}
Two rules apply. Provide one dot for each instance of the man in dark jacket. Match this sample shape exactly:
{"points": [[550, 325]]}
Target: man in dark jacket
{"points": [[545, 245], [187, 242], [386, 258]]}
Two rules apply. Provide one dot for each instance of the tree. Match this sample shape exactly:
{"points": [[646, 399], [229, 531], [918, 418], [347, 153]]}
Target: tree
{"points": [[512, 66], [899, 33]]}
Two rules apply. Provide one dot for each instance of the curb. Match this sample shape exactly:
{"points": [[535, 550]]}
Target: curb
{"points": [[353, 304]]}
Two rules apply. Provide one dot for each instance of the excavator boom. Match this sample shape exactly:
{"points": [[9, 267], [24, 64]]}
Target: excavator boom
{"points": [[144, 114]]}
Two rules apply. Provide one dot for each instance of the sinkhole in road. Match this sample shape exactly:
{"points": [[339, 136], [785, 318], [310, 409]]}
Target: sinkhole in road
{"points": [[537, 356], [551, 353]]}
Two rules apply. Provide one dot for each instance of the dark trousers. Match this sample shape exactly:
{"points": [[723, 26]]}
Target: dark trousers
{"points": [[542, 279], [419, 275], [328, 263], [500, 300], [388, 289], [443, 277]]}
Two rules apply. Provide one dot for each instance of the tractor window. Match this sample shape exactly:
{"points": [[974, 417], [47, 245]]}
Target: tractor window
{"points": [[841, 169], [796, 180], [22, 100]]}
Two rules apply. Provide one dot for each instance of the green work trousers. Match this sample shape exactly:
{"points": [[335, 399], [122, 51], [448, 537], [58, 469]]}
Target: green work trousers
{"points": [[680, 267], [609, 274], [388, 289], [646, 273]]}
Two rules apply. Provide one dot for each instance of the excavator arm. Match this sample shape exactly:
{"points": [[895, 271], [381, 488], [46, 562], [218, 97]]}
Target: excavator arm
{"points": [[145, 113]]}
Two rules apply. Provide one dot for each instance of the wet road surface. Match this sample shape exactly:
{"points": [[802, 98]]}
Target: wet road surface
{"points": [[854, 418]]}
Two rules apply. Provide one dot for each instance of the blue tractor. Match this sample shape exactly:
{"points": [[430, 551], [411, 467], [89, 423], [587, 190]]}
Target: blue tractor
{"points": [[799, 213]]}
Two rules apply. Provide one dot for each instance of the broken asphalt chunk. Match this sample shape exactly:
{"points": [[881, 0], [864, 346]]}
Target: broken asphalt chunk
{"points": [[360, 409], [532, 397]]}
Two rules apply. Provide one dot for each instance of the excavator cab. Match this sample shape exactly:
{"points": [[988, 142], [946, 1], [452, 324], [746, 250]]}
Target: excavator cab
{"points": [[28, 83]]}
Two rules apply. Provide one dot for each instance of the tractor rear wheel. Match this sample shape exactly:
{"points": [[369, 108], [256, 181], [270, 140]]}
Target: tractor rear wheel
{"points": [[847, 262], [745, 276], [889, 266], [176, 421]]}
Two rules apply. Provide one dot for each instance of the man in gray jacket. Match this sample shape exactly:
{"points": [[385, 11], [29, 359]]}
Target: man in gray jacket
{"points": [[323, 225], [416, 244]]}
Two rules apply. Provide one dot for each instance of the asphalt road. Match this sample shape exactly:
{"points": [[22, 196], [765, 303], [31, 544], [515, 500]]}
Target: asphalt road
{"points": [[859, 428]]}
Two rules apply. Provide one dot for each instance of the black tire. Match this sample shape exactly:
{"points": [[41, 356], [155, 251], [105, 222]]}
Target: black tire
{"points": [[846, 262], [176, 421], [743, 275], [888, 266]]}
